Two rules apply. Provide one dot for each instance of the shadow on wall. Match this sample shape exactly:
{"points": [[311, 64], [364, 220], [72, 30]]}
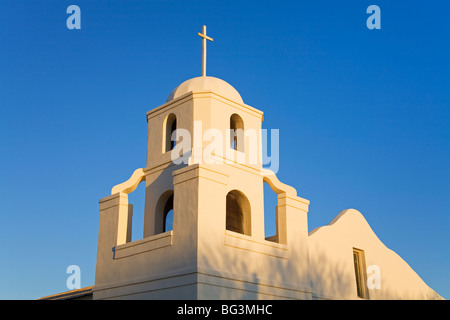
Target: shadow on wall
{"points": [[255, 275], [328, 278]]}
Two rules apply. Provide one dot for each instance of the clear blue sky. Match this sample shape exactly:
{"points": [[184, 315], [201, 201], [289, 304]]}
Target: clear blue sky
{"points": [[363, 116]]}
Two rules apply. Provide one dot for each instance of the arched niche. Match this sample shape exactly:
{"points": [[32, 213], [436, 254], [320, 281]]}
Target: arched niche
{"points": [[238, 213]]}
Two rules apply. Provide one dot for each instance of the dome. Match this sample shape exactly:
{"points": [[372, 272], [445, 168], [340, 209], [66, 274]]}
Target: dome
{"points": [[213, 84]]}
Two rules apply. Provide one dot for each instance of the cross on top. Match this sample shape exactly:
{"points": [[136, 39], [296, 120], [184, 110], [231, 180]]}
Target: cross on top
{"points": [[205, 37]]}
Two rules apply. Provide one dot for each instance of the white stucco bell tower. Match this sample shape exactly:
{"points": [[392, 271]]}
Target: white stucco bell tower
{"points": [[216, 248]]}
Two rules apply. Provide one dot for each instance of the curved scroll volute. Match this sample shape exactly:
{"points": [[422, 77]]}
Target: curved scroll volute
{"points": [[131, 184], [276, 185]]}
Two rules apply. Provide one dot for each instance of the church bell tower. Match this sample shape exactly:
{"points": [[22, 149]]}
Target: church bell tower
{"points": [[204, 208]]}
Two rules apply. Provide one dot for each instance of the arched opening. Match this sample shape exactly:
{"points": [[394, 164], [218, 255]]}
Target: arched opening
{"points": [[136, 203], [168, 215], [164, 215], [170, 125], [238, 217], [236, 132]]}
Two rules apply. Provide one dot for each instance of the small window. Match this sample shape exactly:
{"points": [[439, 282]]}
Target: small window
{"points": [[237, 133], [360, 273], [170, 125], [163, 217], [168, 215]]}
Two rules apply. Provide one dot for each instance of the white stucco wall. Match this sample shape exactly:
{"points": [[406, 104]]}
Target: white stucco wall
{"points": [[331, 262]]}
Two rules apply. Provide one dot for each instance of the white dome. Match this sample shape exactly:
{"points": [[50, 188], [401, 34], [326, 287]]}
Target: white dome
{"points": [[213, 84]]}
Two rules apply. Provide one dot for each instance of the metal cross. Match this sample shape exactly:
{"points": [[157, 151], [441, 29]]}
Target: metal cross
{"points": [[205, 37]]}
